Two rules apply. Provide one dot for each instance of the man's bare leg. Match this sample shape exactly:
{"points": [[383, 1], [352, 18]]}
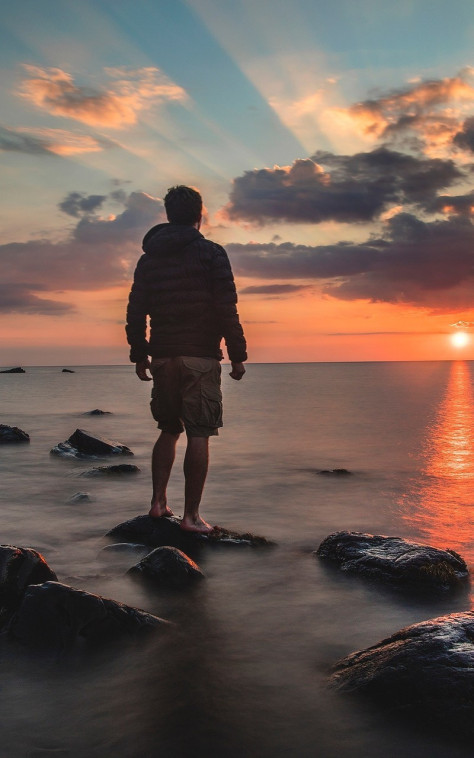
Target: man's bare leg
{"points": [[196, 463], [162, 461]]}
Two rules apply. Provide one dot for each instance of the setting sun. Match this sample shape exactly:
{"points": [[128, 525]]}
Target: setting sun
{"points": [[460, 339]]}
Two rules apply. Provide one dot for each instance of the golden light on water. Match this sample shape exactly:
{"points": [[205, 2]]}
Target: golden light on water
{"points": [[442, 507]]}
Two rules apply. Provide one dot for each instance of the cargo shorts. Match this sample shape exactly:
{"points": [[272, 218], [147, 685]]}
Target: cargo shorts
{"points": [[187, 395]]}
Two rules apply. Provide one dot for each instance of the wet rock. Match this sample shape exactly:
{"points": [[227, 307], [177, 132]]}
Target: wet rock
{"points": [[424, 671], [158, 532], [335, 472], [80, 497], [68, 371], [120, 470], [55, 618], [167, 567], [97, 412], [12, 434], [20, 567], [83, 444], [17, 370], [395, 560]]}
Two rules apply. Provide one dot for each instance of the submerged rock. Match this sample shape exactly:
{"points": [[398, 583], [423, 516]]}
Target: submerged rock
{"points": [[97, 412], [55, 618], [12, 434], [119, 470], [335, 472], [20, 567], [80, 497], [158, 532], [168, 567], [395, 560], [425, 671], [17, 370], [121, 550], [83, 444]]}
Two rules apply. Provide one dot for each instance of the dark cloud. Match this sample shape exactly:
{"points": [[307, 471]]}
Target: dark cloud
{"points": [[13, 141], [21, 298], [76, 204], [274, 289], [465, 138], [98, 253], [344, 188], [422, 263], [461, 205]]}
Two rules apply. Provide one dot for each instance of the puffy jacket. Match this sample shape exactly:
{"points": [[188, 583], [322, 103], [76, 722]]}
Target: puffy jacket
{"points": [[185, 284]]}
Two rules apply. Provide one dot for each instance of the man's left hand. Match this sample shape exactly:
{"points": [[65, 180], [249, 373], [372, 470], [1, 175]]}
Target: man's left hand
{"points": [[141, 369]]}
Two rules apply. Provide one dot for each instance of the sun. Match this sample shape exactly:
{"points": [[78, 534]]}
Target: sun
{"points": [[460, 339]]}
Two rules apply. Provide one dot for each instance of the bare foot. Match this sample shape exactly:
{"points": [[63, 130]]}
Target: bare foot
{"points": [[158, 511], [196, 525]]}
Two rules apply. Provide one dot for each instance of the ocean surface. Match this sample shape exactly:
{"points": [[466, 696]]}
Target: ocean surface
{"points": [[244, 671]]}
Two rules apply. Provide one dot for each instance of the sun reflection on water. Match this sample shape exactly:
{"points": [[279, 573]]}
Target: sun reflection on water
{"points": [[441, 506]]}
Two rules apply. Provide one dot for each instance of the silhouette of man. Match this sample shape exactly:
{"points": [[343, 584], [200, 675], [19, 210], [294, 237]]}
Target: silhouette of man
{"points": [[184, 283]]}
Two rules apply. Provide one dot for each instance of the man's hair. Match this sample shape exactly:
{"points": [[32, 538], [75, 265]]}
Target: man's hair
{"points": [[183, 205]]}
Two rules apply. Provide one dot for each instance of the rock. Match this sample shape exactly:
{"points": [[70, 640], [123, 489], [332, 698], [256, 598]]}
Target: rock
{"points": [[17, 370], [83, 444], [425, 671], [20, 567], [55, 618], [68, 371], [167, 567], [12, 434], [80, 497], [395, 560], [97, 412], [335, 472], [119, 470], [158, 532]]}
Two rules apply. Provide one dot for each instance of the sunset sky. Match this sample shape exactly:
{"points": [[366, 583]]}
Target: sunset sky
{"points": [[333, 143]]}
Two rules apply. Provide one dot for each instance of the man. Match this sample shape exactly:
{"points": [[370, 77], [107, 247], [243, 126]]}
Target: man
{"points": [[184, 283]]}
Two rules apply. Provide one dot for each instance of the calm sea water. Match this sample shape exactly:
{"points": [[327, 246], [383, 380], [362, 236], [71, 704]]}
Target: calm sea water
{"points": [[244, 672]]}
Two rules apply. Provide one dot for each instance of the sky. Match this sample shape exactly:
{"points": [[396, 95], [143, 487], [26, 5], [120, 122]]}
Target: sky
{"points": [[333, 144]]}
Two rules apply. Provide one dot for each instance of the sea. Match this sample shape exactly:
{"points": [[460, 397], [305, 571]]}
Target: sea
{"points": [[243, 670]]}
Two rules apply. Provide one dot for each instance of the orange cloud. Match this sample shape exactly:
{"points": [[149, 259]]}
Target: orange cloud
{"points": [[434, 110], [55, 91]]}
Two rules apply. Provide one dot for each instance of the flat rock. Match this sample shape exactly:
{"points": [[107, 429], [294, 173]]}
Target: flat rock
{"points": [[167, 567], [157, 532], [97, 412], [425, 671], [16, 370], [120, 469], [12, 434], [68, 371], [20, 567], [55, 618], [395, 560], [83, 444]]}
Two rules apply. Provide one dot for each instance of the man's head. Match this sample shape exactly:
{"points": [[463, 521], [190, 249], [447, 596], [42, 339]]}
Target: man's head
{"points": [[183, 205]]}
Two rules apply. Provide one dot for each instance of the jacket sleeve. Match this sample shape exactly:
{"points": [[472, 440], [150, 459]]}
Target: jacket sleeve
{"points": [[225, 302], [137, 312]]}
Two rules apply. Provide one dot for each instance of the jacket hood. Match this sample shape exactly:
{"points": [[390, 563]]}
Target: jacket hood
{"points": [[169, 239]]}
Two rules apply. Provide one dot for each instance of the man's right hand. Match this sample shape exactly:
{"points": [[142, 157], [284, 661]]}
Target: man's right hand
{"points": [[238, 370], [141, 369]]}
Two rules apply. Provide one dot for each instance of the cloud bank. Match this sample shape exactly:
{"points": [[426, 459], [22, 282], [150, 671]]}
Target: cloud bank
{"points": [[98, 253], [429, 264]]}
